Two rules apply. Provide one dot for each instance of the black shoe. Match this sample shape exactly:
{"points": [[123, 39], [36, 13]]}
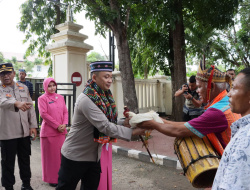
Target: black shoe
{"points": [[26, 188], [53, 184]]}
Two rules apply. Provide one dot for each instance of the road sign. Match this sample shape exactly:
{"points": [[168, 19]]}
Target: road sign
{"points": [[76, 78]]}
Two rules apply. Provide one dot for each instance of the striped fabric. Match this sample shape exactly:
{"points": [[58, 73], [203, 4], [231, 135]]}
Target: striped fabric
{"points": [[215, 122], [101, 66], [105, 101], [221, 103]]}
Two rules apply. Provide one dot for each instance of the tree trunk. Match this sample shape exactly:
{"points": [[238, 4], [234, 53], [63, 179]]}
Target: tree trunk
{"points": [[146, 71], [171, 66], [127, 76], [178, 72], [58, 13]]}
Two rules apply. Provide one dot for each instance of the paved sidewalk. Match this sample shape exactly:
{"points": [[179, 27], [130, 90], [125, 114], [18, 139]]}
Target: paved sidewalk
{"points": [[161, 148]]}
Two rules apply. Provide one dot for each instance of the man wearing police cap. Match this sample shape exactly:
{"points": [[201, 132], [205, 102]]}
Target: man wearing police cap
{"points": [[94, 126], [18, 123]]}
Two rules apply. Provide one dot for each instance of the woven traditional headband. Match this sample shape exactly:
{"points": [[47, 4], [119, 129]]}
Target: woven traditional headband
{"points": [[217, 75], [212, 75]]}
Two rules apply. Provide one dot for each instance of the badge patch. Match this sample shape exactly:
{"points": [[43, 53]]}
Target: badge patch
{"points": [[20, 87], [51, 102], [8, 95]]}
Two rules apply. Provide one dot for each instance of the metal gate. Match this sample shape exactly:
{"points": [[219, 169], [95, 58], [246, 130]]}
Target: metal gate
{"points": [[69, 98]]}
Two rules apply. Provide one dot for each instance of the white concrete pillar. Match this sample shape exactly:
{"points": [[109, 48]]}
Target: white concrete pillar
{"points": [[69, 54], [164, 100], [116, 89]]}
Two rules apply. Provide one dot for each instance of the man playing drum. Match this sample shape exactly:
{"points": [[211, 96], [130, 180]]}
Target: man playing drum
{"points": [[215, 122]]}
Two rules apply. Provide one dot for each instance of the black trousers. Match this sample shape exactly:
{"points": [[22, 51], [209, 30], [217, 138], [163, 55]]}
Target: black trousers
{"points": [[71, 172], [9, 149]]}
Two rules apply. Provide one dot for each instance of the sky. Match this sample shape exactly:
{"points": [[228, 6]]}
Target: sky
{"points": [[11, 38]]}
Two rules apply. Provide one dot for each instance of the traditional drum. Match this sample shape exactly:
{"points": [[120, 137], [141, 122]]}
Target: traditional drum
{"points": [[198, 159]]}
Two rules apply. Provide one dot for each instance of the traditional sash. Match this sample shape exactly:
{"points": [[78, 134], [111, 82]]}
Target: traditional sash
{"points": [[106, 103], [231, 117]]}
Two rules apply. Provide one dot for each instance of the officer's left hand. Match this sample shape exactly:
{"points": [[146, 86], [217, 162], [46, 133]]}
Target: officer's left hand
{"points": [[33, 131]]}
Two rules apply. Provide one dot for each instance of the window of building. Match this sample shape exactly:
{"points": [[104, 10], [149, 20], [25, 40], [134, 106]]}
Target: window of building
{"points": [[39, 68]]}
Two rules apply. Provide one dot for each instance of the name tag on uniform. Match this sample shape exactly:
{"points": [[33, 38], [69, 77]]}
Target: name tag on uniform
{"points": [[22, 90], [8, 95], [51, 102]]}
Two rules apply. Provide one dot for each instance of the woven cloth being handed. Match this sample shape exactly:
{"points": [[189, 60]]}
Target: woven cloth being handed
{"points": [[138, 118]]}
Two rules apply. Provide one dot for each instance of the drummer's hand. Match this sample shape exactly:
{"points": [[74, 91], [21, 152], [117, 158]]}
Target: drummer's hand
{"points": [[164, 120], [147, 124]]}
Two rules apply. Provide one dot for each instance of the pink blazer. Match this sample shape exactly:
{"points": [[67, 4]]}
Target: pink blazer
{"points": [[53, 110]]}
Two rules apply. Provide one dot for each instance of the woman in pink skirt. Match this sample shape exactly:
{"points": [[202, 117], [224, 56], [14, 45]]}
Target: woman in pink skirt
{"points": [[54, 112], [106, 166]]}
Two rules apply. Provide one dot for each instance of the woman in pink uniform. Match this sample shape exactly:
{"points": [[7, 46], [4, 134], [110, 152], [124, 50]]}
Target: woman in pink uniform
{"points": [[106, 166], [54, 112]]}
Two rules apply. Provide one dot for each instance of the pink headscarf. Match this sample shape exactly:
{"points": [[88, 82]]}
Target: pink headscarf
{"points": [[52, 96]]}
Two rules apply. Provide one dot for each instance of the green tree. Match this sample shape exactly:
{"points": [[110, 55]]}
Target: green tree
{"points": [[229, 46], [16, 65], [143, 62], [28, 65], [38, 61], [50, 70], [95, 56], [115, 15], [38, 22], [146, 60], [39, 18], [161, 21], [1, 57], [163, 27], [233, 44]]}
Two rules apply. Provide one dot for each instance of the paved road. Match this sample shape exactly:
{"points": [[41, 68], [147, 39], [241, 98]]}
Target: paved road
{"points": [[128, 174], [133, 174]]}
